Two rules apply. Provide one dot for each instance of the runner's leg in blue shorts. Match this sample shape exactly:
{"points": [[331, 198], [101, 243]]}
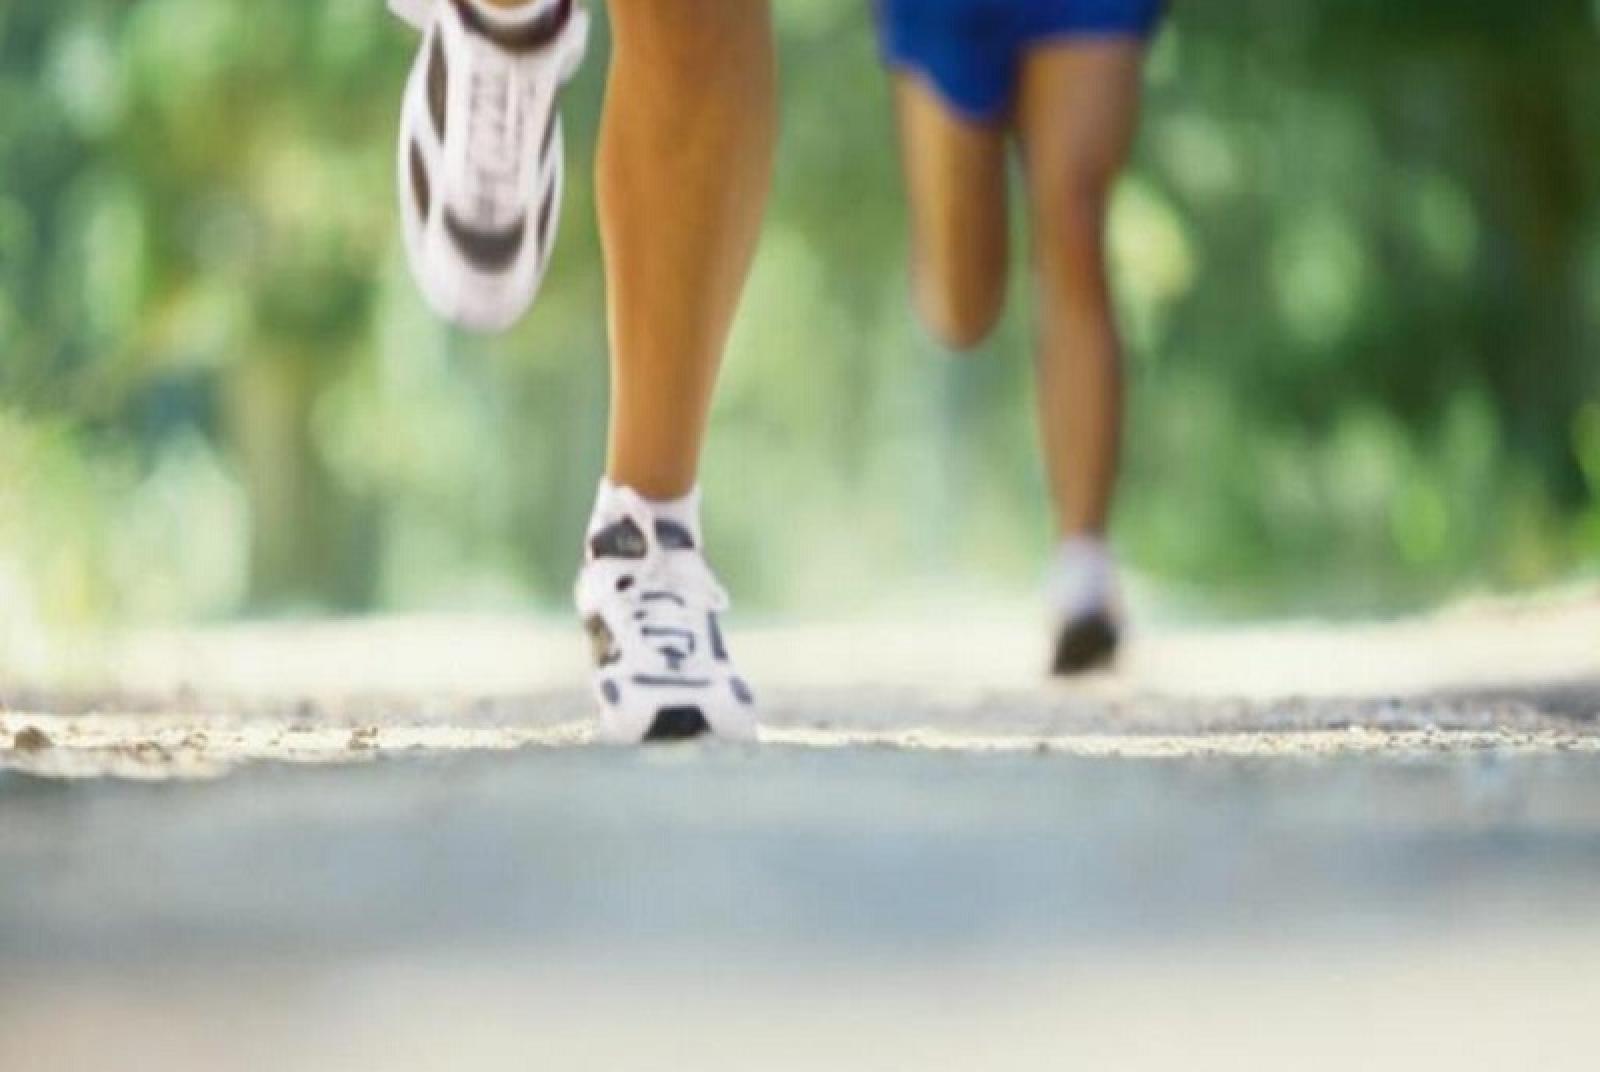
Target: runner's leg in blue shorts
{"points": [[1060, 79]]}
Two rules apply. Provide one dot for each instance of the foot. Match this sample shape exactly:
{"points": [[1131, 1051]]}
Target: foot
{"points": [[1082, 590], [650, 604], [480, 161]]}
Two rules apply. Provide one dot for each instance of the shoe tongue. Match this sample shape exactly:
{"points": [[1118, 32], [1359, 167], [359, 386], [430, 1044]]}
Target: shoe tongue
{"points": [[624, 539]]}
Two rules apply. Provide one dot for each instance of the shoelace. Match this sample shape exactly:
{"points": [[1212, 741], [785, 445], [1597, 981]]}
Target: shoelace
{"points": [[494, 150], [670, 594]]}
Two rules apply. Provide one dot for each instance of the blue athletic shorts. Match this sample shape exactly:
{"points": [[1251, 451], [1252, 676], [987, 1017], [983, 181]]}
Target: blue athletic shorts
{"points": [[970, 49]]}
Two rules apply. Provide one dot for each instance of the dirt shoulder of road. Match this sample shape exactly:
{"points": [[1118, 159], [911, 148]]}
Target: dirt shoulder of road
{"points": [[1490, 675]]}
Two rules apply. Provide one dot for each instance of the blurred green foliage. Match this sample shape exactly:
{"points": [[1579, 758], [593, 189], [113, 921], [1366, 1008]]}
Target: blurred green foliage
{"points": [[1358, 258]]}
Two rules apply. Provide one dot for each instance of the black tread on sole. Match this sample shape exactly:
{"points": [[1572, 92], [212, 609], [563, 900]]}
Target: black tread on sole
{"points": [[1085, 644], [678, 724]]}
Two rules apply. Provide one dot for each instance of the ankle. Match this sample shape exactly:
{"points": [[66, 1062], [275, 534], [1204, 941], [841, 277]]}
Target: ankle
{"points": [[518, 25], [512, 8], [682, 510]]}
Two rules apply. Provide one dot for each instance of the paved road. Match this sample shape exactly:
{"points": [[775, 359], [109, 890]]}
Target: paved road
{"points": [[1313, 848], [830, 904]]}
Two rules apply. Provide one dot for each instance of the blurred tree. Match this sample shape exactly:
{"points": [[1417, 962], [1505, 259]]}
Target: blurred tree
{"points": [[1359, 260]]}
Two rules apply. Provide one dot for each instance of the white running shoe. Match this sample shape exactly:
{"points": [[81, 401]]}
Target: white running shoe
{"points": [[1084, 600], [650, 603], [481, 160]]}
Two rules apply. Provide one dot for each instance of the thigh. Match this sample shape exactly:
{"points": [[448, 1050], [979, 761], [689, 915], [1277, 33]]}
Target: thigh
{"points": [[955, 182], [1077, 113]]}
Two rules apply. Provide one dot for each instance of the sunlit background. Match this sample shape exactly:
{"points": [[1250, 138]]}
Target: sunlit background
{"points": [[1359, 268]]}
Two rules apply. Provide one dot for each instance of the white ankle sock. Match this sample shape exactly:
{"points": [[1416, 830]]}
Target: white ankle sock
{"points": [[1082, 578], [684, 510]]}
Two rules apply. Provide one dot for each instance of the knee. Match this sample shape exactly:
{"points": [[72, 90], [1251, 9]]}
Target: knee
{"points": [[959, 314], [958, 325], [1069, 251], [1070, 214]]}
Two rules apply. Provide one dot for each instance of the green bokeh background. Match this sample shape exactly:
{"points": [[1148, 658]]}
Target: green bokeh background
{"points": [[1358, 261]]}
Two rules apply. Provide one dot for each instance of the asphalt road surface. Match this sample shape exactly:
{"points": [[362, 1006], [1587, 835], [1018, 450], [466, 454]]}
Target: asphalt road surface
{"points": [[391, 845]]}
